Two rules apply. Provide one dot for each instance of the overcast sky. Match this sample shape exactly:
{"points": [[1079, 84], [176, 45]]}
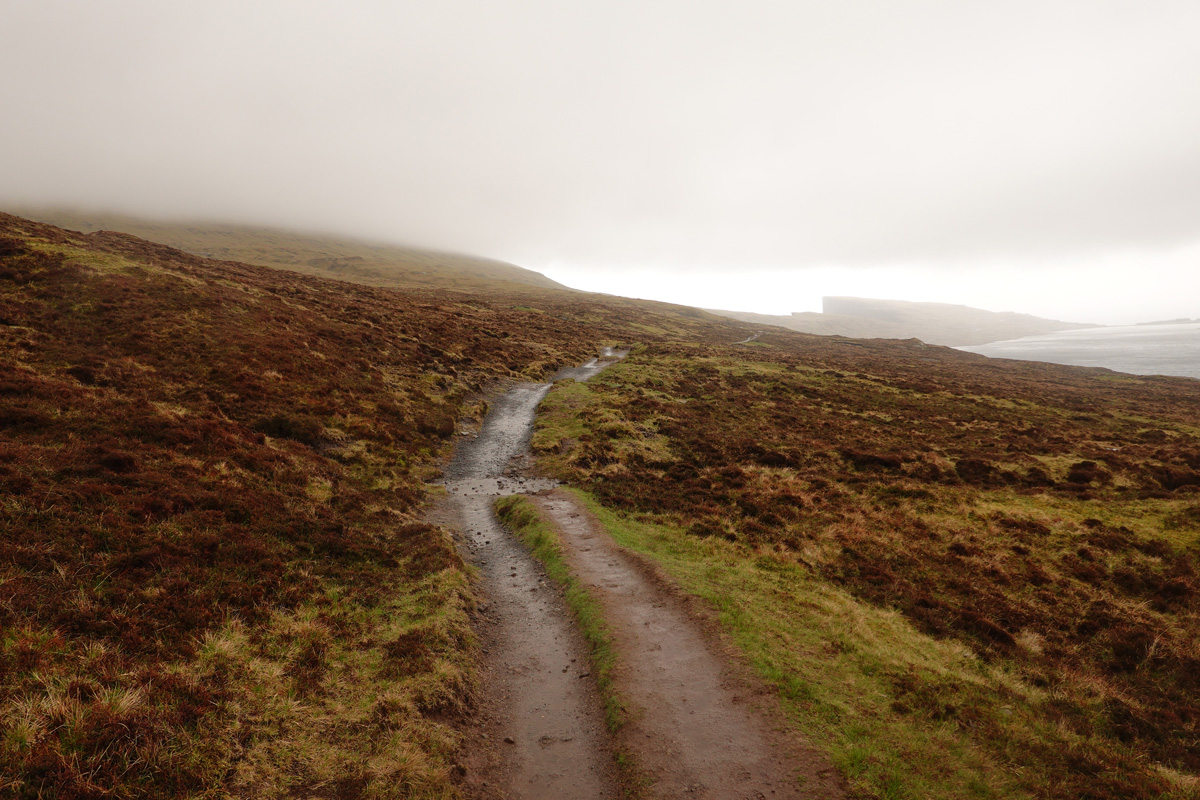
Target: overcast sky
{"points": [[1031, 156]]}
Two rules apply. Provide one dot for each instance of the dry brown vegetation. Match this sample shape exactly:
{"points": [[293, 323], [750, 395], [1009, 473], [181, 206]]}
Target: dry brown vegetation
{"points": [[214, 577], [1046, 517], [213, 572]]}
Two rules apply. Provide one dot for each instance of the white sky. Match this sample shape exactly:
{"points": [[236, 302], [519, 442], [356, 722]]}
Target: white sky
{"points": [[1029, 156], [1117, 288]]}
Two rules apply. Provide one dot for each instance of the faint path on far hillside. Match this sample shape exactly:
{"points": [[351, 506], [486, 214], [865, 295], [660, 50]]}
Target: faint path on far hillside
{"points": [[540, 732]]}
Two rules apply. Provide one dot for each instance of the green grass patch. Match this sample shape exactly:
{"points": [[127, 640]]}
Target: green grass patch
{"points": [[900, 713], [562, 406], [886, 702]]}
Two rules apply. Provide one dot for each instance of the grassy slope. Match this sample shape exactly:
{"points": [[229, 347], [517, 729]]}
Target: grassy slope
{"points": [[967, 578], [323, 256], [971, 578], [213, 573]]}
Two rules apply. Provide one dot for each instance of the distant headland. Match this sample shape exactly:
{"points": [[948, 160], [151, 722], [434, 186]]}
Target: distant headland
{"points": [[935, 323]]}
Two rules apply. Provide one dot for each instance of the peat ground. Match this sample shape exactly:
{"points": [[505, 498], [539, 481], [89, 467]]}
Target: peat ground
{"points": [[214, 573]]}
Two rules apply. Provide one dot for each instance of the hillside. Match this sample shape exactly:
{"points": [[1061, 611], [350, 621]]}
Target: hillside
{"points": [[308, 254], [964, 577], [968, 578], [214, 574], [935, 323]]}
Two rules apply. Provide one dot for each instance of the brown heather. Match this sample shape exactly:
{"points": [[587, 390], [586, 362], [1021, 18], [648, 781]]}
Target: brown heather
{"points": [[1046, 517], [215, 580], [213, 573]]}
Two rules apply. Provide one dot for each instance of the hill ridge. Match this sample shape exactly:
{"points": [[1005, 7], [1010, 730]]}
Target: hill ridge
{"points": [[310, 253]]}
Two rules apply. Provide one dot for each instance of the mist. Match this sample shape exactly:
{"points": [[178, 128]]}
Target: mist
{"points": [[1119, 288], [1035, 157]]}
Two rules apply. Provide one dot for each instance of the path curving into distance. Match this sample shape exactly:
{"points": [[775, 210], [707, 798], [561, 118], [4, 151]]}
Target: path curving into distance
{"points": [[700, 728], [541, 733]]}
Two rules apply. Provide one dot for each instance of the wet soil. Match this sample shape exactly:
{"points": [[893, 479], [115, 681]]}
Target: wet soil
{"points": [[540, 731], [700, 726]]}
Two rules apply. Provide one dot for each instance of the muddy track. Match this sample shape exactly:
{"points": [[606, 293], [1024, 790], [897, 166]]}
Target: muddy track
{"points": [[699, 729], [540, 730], [700, 725]]}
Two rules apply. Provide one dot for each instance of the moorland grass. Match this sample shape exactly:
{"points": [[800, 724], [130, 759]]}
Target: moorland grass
{"points": [[212, 564], [968, 580], [836, 663], [214, 577]]}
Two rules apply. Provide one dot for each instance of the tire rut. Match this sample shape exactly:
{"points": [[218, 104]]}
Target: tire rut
{"points": [[700, 726]]}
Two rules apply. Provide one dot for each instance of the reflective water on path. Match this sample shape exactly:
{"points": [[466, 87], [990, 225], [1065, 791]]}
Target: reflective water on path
{"points": [[544, 734]]}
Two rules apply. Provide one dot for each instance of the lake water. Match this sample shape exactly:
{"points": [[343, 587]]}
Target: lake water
{"points": [[1139, 349]]}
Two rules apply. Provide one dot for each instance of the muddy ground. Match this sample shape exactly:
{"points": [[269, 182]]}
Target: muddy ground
{"points": [[699, 728], [700, 725]]}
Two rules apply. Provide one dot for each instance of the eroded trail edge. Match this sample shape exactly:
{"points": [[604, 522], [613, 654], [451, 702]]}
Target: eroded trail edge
{"points": [[540, 731]]}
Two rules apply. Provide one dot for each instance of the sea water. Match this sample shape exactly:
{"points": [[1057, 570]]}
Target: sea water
{"points": [[1167, 349]]}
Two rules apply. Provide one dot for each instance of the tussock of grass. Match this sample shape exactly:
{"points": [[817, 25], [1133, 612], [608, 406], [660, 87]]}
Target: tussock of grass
{"points": [[337, 695], [561, 427]]}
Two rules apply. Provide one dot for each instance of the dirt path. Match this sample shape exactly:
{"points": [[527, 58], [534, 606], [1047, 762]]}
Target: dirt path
{"points": [[540, 731], [700, 729]]}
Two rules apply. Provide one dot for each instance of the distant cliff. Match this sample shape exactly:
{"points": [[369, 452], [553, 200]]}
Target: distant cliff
{"points": [[936, 323]]}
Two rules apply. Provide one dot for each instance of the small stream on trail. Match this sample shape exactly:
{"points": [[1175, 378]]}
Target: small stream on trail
{"points": [[542, 732]]}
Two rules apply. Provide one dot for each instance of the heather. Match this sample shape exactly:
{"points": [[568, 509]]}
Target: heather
{"points": [[965, 577], [1035, 529], [215, 576]]}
